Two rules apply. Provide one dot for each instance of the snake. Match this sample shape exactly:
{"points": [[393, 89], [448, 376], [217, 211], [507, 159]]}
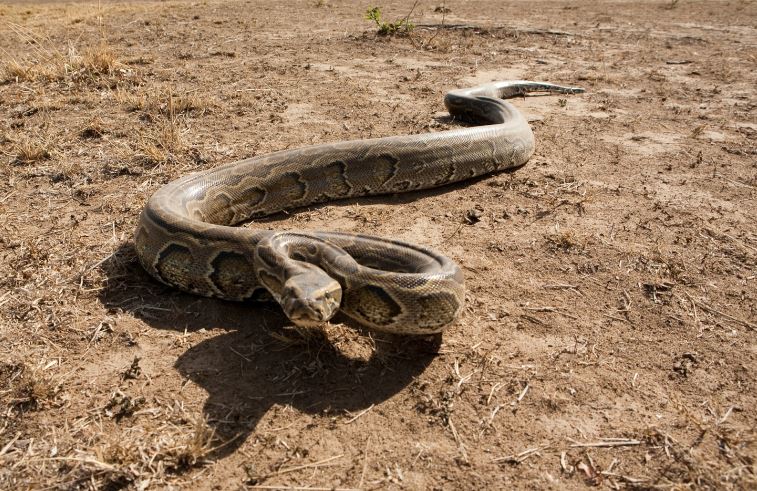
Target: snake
{"points": [[187, 235]]}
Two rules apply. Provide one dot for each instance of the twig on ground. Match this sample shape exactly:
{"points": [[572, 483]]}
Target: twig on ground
{"points": [[711, 310], [354, 418], [365, 463], [628, 479], [517, 459], [472, 27], [287, 470], [565, 465], [458, 440], [556, 310], [610, 442]]}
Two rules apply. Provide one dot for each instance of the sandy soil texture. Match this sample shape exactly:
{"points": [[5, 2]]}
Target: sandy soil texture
{"points": [[609, 336]]}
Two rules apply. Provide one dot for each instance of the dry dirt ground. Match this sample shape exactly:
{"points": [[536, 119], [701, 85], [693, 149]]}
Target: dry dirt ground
{"points": [[609, 337]]}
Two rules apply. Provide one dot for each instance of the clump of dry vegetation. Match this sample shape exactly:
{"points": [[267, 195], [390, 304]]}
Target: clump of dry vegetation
{"points": [[16, 72], [25, 388], [165, 102], [53, 66], [161, 145], [29, 151], [165, 110], [47, 62], [565, 240], [94, 129]]}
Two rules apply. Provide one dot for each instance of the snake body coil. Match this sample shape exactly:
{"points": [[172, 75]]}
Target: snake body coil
{"points": [[185, 237]]}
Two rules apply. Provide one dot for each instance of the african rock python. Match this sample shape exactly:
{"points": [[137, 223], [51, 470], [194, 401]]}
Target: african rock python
{"points": [[185, 236]]}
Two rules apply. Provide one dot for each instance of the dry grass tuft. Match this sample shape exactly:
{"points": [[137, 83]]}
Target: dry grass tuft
{"points": [[52, 65], [169, 136], [27, 389], [94, 129], [13, 71], [192, 452], [565, 241], [29, 151], [187, 103], [163, 102], [102, 60], [130, 101], [152, 154], [161, 146]]}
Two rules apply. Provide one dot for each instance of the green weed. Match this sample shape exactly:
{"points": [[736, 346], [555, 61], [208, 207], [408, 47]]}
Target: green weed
{"points": [[401, 26]]}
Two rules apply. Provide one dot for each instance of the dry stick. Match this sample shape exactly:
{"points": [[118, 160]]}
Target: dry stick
{"points": [[2, 200], [629, 479], [240, 354], [517, 459], [406, 20], [694, 309], [13, 440], [459, 442], [534, 320], [495, 28], [714, 232], [359, 414], [300, 467], [90, 268], [607, 443], [523, 393], [102, 465], [444, 15], [726, 415], [706, 307], [454, 233], [556, 310], [365, 463], [616, 318], [407, 17], [738, 183], [559, 286]]}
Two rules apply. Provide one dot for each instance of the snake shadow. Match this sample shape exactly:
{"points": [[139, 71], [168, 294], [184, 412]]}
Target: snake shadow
{"points": [[259, 362]]}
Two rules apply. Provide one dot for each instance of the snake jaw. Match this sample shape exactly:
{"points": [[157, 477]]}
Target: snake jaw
{"points": [[306, 305]]}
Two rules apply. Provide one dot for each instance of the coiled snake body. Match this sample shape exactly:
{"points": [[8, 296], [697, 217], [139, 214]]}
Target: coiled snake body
{"points": [[185, 236]]}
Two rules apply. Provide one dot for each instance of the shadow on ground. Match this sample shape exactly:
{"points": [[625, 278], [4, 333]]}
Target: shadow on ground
{"points": [[260, 362]]}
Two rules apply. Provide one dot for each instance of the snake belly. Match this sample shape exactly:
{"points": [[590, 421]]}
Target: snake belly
{"points": [[186, 236]]}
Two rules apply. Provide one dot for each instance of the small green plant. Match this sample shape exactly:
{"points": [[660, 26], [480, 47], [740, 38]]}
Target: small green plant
{"points": [[403, 26]]}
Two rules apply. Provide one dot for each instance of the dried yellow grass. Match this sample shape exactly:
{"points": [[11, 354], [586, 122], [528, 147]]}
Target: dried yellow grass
{"points": [[164, 102], [29, 151], [52, 65]]}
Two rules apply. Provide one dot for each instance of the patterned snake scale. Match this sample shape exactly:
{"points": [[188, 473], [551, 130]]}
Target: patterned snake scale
{"points": [[185, 237]]}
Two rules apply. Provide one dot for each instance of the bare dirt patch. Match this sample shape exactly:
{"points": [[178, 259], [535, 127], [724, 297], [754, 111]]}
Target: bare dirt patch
{"points": [[609, 338]]}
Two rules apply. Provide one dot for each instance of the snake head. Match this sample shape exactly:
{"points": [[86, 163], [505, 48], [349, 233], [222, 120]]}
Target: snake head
{"points": [[311, 298]]}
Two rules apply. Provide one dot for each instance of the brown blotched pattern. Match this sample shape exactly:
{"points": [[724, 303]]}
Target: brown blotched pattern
{"points": [[185, 238]]}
